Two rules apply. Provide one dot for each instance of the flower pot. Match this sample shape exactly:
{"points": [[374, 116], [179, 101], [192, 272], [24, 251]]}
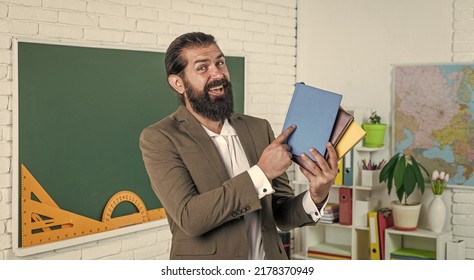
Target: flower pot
{"points": [[405, 217], [375, 134]]}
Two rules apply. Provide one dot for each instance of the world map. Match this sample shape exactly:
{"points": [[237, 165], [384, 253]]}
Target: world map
{"points": [[434, 118]]}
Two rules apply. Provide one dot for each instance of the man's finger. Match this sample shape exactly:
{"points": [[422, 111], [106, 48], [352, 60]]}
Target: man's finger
{"points": [[332, 156], [285, 134]]}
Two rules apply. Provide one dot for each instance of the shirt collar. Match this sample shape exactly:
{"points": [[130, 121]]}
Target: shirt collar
{"points": [[227, 130]]}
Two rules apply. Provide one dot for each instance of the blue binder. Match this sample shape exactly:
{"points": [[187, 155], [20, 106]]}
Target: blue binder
{"points": [[348, 175], [314, 112]]}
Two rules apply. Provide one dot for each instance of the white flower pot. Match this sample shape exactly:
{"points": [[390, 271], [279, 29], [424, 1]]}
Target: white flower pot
{"points": [[405, 217]]}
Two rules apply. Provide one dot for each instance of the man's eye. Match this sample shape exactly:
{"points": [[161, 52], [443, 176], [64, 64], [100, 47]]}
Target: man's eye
{"points": [[220, 63], [201, 68]]}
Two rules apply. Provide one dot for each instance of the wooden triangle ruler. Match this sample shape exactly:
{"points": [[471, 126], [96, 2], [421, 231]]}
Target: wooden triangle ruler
{"points": [[42, 220]]}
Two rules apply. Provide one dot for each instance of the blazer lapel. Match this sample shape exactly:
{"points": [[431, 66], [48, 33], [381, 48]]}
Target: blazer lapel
{"points": [[195, 131], [245, 138]]}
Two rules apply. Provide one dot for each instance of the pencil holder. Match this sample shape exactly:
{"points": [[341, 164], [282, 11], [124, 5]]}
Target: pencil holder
{"points": [[370, 178]]}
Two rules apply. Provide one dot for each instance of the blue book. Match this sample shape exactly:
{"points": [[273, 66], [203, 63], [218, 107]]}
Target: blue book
{"points": [[314, 113]]}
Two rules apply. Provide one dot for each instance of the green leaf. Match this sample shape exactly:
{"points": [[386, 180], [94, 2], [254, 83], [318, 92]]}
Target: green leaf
{"points": [[386, 174], [409, 180], [388, 169], [400, 193], [418, 176], [399, 173]]}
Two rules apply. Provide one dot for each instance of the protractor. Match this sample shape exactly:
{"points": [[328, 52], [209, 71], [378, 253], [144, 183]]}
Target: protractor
{"points": [[125, 196]]}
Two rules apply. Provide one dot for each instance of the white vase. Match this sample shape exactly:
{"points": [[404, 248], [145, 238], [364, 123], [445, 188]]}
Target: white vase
{"points": [[436, 214]]}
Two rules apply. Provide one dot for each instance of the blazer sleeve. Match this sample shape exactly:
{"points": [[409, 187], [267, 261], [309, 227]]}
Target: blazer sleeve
{"points": [[287, 207], [196, 210]]}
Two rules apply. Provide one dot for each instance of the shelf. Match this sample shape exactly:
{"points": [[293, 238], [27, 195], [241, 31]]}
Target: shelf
{"points": [[417, 239], [368, 149]]}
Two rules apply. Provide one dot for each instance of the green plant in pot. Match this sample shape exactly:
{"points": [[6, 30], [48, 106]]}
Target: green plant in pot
{"points": [[404, 174], [375, 131]]}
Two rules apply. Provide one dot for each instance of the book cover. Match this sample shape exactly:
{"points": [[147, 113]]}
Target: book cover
{"points": [[343, 120], [413, 254], [351, 137], [330, 249], [314, 113]]}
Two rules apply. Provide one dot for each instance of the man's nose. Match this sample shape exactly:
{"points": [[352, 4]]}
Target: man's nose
{"points": [[216, 73]]}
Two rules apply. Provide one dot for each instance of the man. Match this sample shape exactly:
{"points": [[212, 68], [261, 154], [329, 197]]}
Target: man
{"points": [[221, 175]]}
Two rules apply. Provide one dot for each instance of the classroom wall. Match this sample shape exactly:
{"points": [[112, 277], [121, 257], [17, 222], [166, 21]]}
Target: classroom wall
{"points": [[262, 30], [352, 46]]}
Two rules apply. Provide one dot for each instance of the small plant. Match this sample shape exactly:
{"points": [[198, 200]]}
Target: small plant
{"points": [[403, 171], [374, 118], [438, 182]]}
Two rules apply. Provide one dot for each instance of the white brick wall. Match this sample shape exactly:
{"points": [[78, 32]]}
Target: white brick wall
{"points": [[262, 30]]}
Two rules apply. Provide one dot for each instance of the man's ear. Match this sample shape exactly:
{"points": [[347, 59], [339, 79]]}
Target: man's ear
{"points": [[176, 82]]}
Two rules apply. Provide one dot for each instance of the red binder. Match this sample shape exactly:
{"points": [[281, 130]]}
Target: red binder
{"points": [[385, 219], [345, 206]]}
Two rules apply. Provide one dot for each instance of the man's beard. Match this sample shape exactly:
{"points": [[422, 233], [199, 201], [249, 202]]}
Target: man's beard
{"points": [[215, 109]]}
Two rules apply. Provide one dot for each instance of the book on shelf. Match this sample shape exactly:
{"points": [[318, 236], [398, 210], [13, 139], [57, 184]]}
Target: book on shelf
{"points": [[385, 220], [412, 254], [329, 251]]}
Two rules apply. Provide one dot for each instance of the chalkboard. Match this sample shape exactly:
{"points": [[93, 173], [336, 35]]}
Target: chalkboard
{"points": [[81, 111]]}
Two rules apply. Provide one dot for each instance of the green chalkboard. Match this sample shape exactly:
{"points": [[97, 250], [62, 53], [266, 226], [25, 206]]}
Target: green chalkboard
{"points": [[81, 111]]}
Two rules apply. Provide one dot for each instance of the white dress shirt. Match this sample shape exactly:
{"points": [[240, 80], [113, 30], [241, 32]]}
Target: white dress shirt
{"points": [[235, 160]]}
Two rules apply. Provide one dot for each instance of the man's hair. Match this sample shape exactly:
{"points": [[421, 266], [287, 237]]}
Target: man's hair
{"points": [[174, 62]]}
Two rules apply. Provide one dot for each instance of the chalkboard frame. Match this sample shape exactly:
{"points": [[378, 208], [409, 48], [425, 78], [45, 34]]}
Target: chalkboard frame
{"points": [[20, 251]]}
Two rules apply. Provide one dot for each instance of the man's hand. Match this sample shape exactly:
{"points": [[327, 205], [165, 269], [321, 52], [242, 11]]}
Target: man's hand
{"points": [[322, 174], [276, 158]]}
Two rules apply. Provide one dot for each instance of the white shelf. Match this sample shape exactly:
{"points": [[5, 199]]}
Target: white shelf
{"points": [[368, 149], [418, 239]]}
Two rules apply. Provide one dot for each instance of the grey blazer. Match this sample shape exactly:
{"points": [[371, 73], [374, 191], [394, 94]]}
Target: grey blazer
{"points": [[205, 207]]}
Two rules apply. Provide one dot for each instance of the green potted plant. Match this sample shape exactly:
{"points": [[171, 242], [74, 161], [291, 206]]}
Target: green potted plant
{"points": [[375, 131], [405, 174]]}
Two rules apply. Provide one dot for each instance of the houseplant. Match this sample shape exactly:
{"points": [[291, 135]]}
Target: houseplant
{"points": [[404, 173], [375, 131]]}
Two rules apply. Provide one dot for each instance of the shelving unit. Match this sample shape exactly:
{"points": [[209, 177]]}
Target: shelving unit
{"points": [[355, 235]]}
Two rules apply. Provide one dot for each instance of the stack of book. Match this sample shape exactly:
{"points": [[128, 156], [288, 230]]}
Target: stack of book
{"points": [[412, 254], [330, 214], [319, 119], [327, 251]]}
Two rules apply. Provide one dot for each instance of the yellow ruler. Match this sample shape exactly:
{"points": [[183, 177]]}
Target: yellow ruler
{"points": [[42, 220]]}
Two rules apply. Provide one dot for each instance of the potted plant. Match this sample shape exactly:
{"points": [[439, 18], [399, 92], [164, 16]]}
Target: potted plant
{"points": [[404, 173], [375, 131]]}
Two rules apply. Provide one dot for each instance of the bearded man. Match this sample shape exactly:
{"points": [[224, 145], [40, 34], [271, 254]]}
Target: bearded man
{"points": [[221, 175]]}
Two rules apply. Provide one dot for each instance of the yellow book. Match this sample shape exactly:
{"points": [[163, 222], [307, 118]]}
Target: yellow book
{"points": [[351, 137], [374, 236]]}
